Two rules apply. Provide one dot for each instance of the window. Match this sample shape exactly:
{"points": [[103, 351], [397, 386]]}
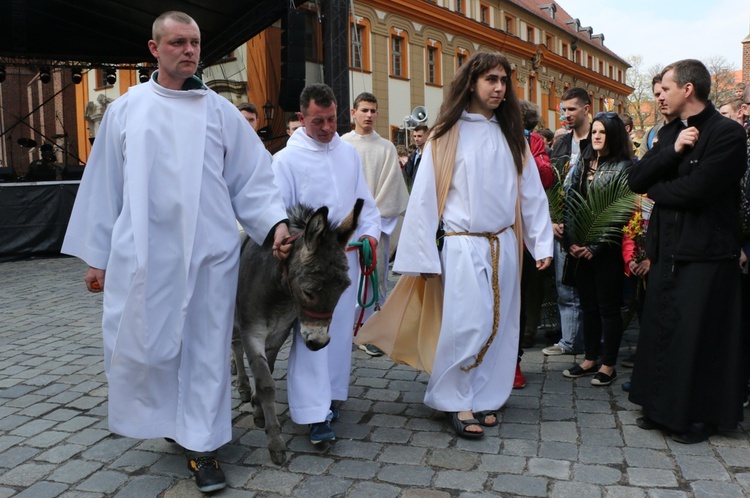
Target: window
{"points": [[578, 57], [431, 64], [530, 34], [359, 45], [460, 58], [509, 25], [484, 14], [565, 50], [619, 75], [434, 66], [101, 79], [357, 32], [590, 62], [399, 53], [548, 42], [611, 72], [397, 46], [460, 6], [601, 67]]}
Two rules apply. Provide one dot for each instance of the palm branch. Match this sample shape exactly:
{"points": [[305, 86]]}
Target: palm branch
{"points": [[600, 217], [556, 192]]}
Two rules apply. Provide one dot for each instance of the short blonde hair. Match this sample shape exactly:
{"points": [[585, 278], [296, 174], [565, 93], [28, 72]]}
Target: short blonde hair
{"points": [[157, 28]]}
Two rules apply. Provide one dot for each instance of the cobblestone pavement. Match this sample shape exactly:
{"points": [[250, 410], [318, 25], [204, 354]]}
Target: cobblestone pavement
{"points": [[557, 437]]}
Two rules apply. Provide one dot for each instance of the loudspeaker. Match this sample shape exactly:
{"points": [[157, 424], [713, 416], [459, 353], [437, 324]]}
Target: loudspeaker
{"points": [[72, 172], [292, 59]]}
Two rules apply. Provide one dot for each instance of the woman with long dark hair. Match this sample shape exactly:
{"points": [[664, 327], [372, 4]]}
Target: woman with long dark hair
{"points": [[599, 271]]}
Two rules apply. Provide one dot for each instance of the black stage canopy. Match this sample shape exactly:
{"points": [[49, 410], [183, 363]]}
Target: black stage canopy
{"points": [[117, 31]]}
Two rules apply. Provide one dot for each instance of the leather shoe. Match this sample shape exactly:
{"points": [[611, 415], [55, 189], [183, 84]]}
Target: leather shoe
{"points": [[647, 424], [697, 433]]}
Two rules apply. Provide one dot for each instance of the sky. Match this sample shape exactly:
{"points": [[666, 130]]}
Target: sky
{"points": [[665, 31]]}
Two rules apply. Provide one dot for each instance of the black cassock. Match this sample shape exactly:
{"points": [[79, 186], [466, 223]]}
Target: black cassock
{"points": [[689, 362], [688, 367]]}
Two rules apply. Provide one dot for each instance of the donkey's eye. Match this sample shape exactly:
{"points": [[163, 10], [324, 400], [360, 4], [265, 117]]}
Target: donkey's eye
{"points": [[308, 294]]}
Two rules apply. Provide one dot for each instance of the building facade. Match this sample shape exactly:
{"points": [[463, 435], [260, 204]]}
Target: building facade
{"points": [[406, 53]]}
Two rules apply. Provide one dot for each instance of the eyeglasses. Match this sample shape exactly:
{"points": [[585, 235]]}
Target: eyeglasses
{"points": [[609, 115]]}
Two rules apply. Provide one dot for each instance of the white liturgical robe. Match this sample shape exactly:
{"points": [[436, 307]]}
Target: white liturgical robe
{"points": [[319, 174], [383, 175], [168, 174], [481, 199]]}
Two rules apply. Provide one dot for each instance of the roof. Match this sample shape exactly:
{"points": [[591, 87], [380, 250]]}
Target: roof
{"points": [[117, 31], [565, 22]]}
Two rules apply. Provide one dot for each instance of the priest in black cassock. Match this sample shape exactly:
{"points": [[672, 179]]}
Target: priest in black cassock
{"points": [[689, 374]]}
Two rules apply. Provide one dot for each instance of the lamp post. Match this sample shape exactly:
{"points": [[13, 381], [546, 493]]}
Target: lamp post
{"points": [[268, 111]]}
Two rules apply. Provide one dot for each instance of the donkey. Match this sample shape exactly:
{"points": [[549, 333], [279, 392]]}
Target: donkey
{"points": [[271, 295]]}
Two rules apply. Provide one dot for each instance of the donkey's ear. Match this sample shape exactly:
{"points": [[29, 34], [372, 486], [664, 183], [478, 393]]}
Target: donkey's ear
{"points": [[349, 225], [316, 227]]}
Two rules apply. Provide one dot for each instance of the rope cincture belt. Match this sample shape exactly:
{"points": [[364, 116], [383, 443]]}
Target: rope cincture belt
{"points": [[495, 257]]}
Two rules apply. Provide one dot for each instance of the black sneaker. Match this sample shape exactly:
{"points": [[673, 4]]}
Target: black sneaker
{"points": [[208, 475], [371, 350]]}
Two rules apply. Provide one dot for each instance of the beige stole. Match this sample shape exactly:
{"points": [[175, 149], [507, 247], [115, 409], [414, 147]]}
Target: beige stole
{"points": [[407, 327]]}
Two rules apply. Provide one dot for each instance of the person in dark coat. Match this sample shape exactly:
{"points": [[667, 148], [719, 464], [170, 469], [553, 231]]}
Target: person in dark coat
{"points": [[419, 135], [689, 375]]}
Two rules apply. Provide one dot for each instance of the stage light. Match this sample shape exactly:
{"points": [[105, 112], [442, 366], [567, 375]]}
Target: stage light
{"points": [[44, 74], [3, 74], [111, 75], [76, 75], [143, 75]]}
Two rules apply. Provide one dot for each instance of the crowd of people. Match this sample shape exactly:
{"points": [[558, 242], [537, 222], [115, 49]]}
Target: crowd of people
{"points": [[155, 223]]}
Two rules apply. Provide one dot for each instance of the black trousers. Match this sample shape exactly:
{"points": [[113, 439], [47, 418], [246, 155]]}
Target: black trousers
{"points": [[599, 284]]}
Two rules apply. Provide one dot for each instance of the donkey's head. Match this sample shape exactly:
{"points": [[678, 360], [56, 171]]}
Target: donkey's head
{"points": [[318, 268]]}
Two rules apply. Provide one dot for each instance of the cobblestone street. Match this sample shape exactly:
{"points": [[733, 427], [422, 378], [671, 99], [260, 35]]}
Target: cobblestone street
{"points": [[557, 437]]}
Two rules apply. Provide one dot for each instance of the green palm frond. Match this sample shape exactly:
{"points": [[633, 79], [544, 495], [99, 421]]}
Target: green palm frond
{"points": [[601, 216], [556, 193]]}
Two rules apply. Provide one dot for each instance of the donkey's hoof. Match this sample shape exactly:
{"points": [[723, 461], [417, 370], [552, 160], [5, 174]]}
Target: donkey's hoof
{"points": [[278, 457], [246, 396], [260, 422]]}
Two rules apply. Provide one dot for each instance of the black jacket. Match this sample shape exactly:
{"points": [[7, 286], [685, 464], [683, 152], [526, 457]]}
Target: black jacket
{"points": [[411, 167], [699, 189], [606, 172], [564, 146]]}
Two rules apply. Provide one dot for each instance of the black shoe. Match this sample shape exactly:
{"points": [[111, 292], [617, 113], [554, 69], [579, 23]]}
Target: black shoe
{"points": [[602, 379], [371, 349], [697, 433], [578, 371], [647, 424], [208, 475]]}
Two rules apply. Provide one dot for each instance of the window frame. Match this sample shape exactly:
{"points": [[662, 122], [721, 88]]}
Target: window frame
{"points": [[403, 36], [364, 42]]}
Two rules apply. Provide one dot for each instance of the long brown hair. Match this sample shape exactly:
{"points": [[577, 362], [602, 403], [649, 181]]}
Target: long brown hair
{"points": [[508, 113]]}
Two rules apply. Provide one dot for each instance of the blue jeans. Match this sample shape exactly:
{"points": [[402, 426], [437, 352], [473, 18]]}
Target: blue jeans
{"points": [[571, 319]]}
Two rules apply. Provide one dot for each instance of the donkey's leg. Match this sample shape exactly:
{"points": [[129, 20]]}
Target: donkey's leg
{"points": [[238, 357], [265, 398]]}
